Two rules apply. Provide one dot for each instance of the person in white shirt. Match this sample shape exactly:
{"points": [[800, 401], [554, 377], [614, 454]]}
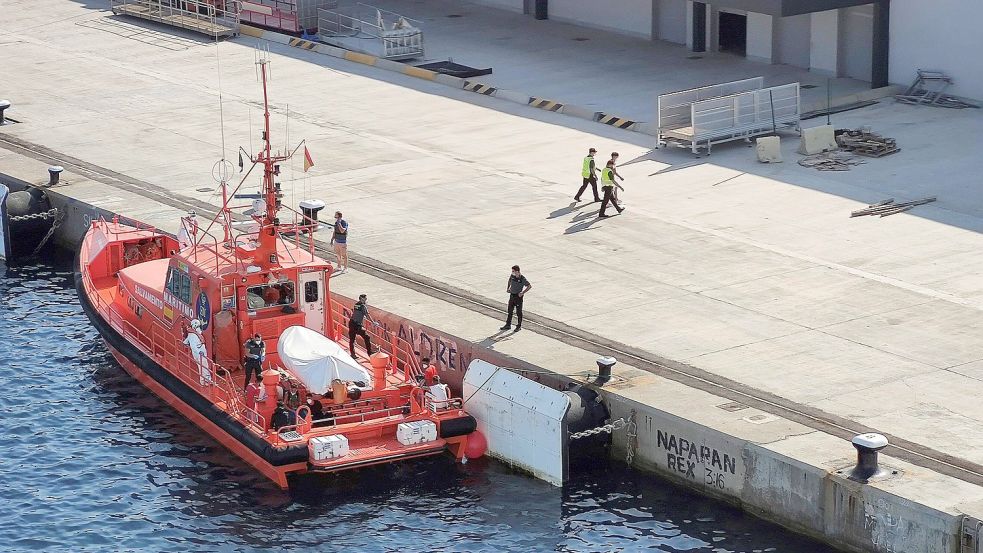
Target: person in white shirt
{"points": [[198, 352]]}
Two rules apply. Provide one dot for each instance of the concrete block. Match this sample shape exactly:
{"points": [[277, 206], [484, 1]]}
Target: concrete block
{"points": [[512, 96], [449, 80], [817, 139], [419, 73], [389, 65], [578, 111], [646, 127], [246, 30], [769, 149], [329, 50]]}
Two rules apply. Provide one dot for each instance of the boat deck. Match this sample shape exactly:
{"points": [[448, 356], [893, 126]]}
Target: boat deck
{"points": [[378, 450]]}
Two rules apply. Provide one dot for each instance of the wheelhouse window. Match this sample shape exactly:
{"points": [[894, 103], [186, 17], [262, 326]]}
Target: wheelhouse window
{"points": [[179, 284], [270, 295], [310, 291]]}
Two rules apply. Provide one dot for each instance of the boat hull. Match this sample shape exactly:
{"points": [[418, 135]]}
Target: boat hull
{"points": [[274, 463]]}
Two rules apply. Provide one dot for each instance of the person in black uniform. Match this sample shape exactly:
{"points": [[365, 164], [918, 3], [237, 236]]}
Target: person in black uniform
{"points": [[516, 287], [255, 353], [360, 312]]}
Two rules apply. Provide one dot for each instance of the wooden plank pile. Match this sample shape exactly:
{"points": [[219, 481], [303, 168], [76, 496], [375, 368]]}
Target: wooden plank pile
{"points": [[831, 161], [888, 207], [865, 143]]}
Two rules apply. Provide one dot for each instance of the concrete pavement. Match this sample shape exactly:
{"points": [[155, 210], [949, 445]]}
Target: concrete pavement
{"points": [[752, 273]]}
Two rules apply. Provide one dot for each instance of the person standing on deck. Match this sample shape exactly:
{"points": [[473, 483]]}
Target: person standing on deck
{"points": [[429, 371], [589, 172], [340, 240], [255, 354], [517, 286], [356, 322]]}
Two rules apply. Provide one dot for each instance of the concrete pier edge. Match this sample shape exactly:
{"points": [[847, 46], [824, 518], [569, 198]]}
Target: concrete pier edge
{"points": [[786, 479], [580, 112]]}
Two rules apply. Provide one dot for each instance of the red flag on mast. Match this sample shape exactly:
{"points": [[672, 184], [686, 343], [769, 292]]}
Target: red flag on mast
{"points": [[308, 160]]}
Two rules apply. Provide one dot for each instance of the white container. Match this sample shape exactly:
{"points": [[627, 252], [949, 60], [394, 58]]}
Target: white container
{"points": [[328, 447], [416, 432]]}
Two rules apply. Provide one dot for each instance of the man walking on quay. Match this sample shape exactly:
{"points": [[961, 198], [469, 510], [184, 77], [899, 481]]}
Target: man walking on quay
{"points": [[608, 184], [614, 168], [517, 287], [356, 327], [589, 172]]}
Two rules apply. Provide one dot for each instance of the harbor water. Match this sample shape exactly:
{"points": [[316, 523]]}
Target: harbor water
{"points": [[90, 461]]}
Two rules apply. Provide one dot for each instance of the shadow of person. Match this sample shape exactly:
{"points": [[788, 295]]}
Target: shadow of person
{"points": [[584, 215], [563, 211], [499, 336], [583, 225]]}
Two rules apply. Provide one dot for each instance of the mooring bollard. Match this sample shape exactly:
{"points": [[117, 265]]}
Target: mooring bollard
{"points": [[4, 104], [53, 174], [310, 208], [604, 365], [867, 447]]}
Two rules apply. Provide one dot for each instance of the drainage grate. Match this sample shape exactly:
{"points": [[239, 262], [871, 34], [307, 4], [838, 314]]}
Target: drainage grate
{"points": [[455, 15], [732, 406], [203, 189], [580, 39], [694, 57], [807, 86]]}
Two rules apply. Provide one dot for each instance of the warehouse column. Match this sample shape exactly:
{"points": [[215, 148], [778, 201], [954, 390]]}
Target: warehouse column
{"points": [[880, 49], [699, 27]]}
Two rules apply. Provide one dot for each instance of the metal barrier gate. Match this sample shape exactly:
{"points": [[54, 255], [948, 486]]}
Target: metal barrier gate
{"points": [[699, 118], [370, 30], [215, 18]]}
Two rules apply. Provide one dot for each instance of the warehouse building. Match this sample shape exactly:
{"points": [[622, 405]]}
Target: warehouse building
{"points": [[878, 41]]}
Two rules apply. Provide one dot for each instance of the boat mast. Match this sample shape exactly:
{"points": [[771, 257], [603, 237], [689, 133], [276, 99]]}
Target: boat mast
{"points": [[269, 223]]}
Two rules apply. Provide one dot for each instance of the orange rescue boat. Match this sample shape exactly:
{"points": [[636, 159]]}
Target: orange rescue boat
{"points": [[176, 314]]}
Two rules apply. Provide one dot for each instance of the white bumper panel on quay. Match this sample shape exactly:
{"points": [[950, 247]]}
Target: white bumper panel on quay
{"points": [[522, 420]]}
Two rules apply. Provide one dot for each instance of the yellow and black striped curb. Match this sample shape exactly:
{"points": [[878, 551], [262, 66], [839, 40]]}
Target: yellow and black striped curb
{"points": [[479, 88], [619, 122], [305, 44], [548, 105]]}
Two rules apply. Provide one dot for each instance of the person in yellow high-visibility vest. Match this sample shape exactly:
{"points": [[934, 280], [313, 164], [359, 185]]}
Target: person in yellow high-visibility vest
{"points": [[608, 184], [589, 172]]}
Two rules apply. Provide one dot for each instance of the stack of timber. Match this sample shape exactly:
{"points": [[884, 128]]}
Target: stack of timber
{"points": [[888, 207], [865, 143]]}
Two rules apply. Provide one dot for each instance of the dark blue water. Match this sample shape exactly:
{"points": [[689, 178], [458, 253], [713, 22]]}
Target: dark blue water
{"points": [[89, 461]]}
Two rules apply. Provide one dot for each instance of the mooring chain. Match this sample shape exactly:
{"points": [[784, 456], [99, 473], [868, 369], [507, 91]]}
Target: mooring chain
{"points": [[53, 212], [607, 428], [59, 217]]}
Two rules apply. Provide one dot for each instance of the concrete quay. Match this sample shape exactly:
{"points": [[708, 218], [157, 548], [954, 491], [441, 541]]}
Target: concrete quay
{"points": [[725, 282]]}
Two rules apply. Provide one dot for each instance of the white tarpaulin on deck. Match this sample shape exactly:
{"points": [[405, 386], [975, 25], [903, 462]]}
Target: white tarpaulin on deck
{"points": [[316, 360]]}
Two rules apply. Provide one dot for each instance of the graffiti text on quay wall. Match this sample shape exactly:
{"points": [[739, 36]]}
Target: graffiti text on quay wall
{"points": [[684, 455]]}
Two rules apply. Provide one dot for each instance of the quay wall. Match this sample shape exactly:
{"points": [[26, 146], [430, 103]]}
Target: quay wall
{"points": [[781, 480]]}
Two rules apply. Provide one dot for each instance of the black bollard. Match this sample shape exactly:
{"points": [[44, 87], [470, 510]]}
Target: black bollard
{"points": [[867, 447], [53, 174], [604, 365], [310, 208], [4, 104]]}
